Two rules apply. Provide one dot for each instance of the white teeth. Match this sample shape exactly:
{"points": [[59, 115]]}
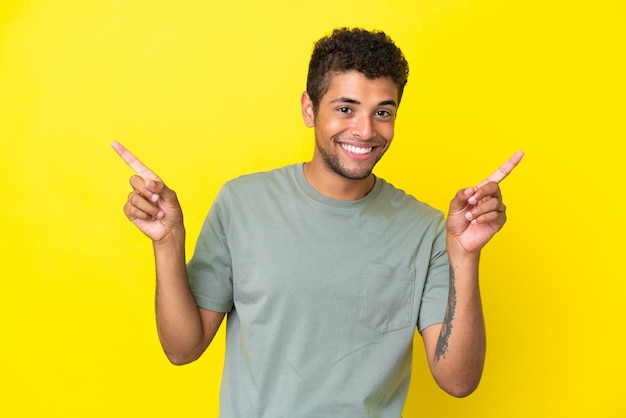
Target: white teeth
{"points": [[356, 150]]}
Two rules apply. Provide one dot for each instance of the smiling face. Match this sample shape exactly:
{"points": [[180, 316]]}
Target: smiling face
{"points": [[354, 125]]}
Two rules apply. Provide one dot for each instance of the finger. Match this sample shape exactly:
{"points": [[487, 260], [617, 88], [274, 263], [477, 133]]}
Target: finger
{"points": [[495, 218], [134, 162], [504, 170], [486, 207], [138, 207], [459, 202], [487, 190], [149, 188], [134, 214], [142, 203]]}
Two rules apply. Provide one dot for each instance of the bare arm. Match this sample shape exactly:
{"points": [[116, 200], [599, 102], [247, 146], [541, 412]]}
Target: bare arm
{"points": [[185, 330], [456, 348]]}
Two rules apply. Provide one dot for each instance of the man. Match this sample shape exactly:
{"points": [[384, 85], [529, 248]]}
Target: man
{"points": [[324, 269]]}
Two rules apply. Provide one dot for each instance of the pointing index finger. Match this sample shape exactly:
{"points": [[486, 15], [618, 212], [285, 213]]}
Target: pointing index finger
{"points": [[504, 170], [134, 162]]}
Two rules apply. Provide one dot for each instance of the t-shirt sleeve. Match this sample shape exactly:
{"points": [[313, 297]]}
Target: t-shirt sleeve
{"points": [[435, 294], [210, 269]]}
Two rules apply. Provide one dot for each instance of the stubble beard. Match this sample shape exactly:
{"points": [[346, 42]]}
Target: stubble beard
{"points": [[333, 163]]}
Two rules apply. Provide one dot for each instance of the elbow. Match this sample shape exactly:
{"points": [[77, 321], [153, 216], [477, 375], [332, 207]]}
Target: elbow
{"points": [[180, 359], [462, 387], [460, 379], [180, 353], [461, 390]]}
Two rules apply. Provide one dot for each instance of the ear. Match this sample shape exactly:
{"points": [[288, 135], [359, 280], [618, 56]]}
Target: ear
{"points": [[307, 110]]}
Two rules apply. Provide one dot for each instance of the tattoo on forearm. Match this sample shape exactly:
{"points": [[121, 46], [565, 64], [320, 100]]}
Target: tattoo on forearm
{"points": [[446, 328]]}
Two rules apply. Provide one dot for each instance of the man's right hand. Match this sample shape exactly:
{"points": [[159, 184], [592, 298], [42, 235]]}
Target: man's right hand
{"points": [[151, 206]]}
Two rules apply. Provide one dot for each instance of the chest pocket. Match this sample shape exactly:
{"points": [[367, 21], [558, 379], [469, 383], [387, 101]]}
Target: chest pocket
{"points": [[387, 297]]}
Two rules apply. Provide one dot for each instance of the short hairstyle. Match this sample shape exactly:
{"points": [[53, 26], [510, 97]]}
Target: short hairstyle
{"points": [[371, 53]]}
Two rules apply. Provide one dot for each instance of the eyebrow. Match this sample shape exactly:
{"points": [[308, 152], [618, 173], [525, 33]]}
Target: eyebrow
{"points": [[352, 101]]}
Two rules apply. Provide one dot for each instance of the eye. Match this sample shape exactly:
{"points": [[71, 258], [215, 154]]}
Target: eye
{"points": [[344, 109], [383, 113]]}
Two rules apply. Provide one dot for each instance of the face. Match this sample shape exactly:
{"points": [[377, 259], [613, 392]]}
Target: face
{"points": [[354, 124]]}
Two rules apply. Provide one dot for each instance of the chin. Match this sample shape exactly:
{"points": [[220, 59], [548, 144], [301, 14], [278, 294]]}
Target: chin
{"points": [[354, 174]]}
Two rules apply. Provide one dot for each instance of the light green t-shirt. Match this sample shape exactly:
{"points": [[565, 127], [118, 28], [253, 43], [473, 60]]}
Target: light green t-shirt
{"points": [[323, 296]]}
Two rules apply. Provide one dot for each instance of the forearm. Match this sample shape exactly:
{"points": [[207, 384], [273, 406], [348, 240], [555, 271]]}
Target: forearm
{"points": [[460, 350], [179, 324]]}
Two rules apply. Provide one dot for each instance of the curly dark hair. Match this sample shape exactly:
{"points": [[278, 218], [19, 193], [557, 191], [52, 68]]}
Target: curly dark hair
{"points": [[371, 53]]}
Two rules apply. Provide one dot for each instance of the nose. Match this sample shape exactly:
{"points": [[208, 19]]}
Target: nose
{"points": [[362, 127]]}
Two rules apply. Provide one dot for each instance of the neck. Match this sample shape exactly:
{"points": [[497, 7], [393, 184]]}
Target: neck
{"points": [[336, 186]]}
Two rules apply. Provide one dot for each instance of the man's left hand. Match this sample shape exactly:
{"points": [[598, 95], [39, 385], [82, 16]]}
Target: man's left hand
{"points": [[477, 213]]}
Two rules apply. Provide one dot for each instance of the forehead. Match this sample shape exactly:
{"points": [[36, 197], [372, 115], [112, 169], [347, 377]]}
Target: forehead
{"points": [[356, 86]]}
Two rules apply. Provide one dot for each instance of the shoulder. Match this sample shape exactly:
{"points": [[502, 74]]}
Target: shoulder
{"points": [[262, 178], [398, 200], [260, 185]]}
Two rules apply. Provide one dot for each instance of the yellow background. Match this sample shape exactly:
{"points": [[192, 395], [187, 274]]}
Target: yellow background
{"points": [[205, 91]]}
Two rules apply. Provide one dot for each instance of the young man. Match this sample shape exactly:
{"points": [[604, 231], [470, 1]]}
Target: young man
{"points": [[324, 269]]}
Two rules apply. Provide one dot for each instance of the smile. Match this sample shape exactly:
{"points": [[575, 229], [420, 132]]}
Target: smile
{"points": [[356, 150]]}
